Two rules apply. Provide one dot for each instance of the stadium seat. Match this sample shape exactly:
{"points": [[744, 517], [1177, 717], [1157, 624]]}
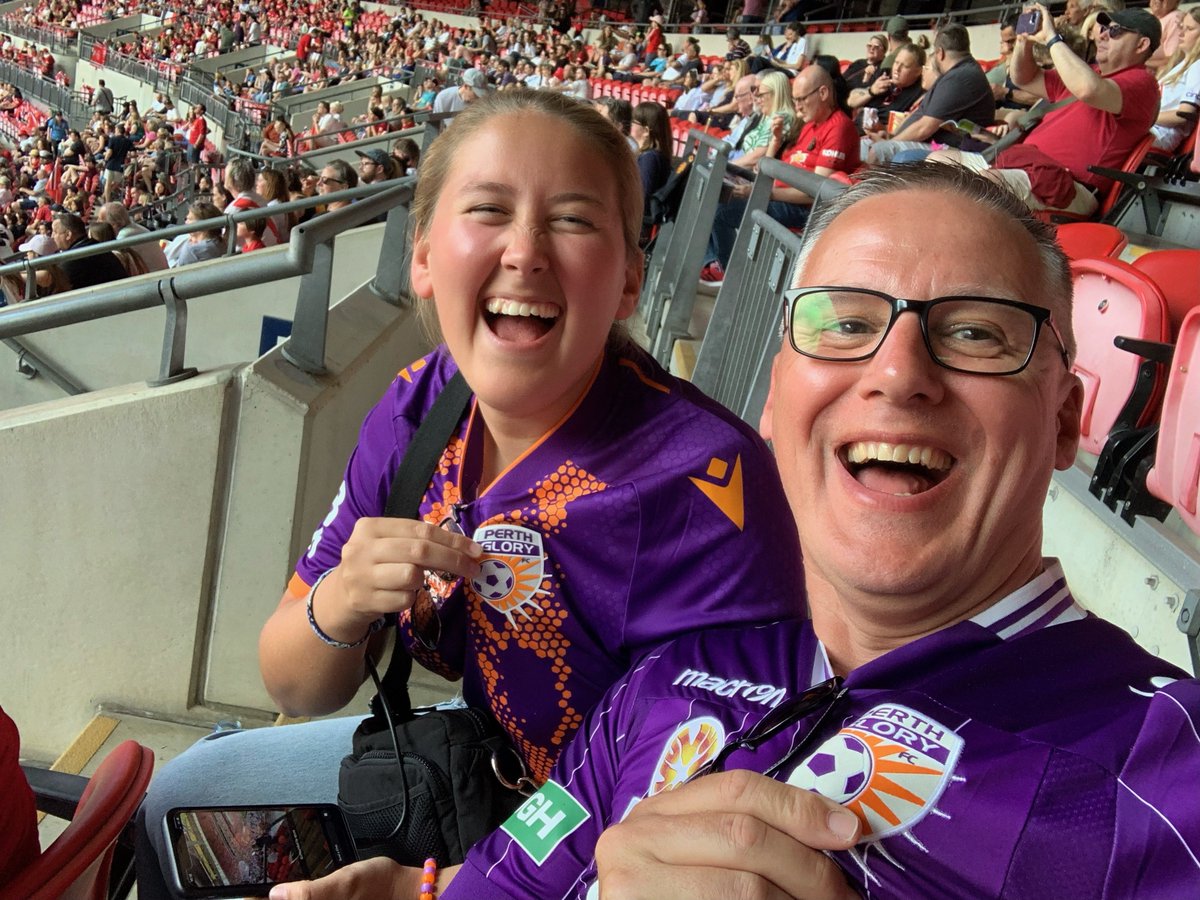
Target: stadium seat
{"points": [[1110, 195], [1177, 274], [1090, 240], [1113, 299], [1175, 476], [78, 864]]}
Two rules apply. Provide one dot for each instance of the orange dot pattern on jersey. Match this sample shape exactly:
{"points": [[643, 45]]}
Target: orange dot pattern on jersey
{"points": [[552, 495], [451, 493], [541, 633]]}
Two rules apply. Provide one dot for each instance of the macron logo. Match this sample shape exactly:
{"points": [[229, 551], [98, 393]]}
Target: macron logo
{"points": [[766, 694], [722, 484]]}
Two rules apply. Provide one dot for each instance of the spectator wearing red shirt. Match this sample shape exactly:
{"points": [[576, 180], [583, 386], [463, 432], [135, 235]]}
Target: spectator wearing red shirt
{"points": [[827, 143], [197, 133], [1117, 102]]}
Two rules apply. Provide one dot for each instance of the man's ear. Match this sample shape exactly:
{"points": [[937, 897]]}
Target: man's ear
{"points": [[766, 420], [419, 273], [1068, 420]]}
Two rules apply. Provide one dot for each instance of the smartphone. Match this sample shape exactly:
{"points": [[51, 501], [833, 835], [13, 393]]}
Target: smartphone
{"points": [[243, 851], [1029, 23]]}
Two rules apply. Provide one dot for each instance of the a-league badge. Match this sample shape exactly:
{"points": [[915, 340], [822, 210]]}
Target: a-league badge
{"points": [[693, 744], [510, 577], [888, 767]]}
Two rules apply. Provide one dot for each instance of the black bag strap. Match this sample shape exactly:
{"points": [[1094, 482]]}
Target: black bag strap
{"points": [[1024, 125], [404, 502]]}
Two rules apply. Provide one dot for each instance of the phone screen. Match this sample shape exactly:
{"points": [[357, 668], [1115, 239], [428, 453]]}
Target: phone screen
{"points": [[251, 848]]}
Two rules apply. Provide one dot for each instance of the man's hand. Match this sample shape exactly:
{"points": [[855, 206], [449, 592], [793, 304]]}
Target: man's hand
{"points": [[1047, 30], [734, 834], [372, 879]]}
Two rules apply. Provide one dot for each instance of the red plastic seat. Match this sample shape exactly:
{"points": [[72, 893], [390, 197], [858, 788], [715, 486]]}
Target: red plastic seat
{"points": [[1177, 274], [1112, 299], [76, 866], [1175, 476], [1090, 240], [1108, 199]]}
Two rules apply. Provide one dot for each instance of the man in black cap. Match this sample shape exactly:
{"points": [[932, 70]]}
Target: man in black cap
{"points": [[1111, 107], [374, 165]]}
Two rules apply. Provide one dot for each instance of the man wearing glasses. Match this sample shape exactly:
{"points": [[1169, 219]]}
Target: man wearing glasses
{"points": [[951, 722], [1117, 103]]}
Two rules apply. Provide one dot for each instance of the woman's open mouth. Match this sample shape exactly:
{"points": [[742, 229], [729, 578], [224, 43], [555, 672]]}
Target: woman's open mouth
{"points": [[520, 321]]}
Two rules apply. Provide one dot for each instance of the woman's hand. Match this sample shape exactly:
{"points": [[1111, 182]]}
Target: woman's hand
{"points": [[383, 567]]}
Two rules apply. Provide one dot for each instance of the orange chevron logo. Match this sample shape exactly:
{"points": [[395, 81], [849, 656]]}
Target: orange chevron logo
{"points": [[725, 493]]}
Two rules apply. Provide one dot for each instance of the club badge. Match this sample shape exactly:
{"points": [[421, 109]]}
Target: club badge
{"points": [[888, 767], [510, 577], [693, 744]]}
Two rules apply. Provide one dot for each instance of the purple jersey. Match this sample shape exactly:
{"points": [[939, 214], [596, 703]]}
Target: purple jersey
{"points": [[1034, 751], [647, 512]]}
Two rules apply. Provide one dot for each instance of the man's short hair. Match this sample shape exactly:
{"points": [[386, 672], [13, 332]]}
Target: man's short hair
{"points": [[953, 38], [982, 192], [115, 214], [239, 174], [72, 224], [202, 210]]}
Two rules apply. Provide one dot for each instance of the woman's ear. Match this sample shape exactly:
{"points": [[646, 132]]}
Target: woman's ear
{"points": [[420, 277]]}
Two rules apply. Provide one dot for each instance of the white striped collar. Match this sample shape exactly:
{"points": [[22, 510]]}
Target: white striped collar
{"points": [[1043, 602]]}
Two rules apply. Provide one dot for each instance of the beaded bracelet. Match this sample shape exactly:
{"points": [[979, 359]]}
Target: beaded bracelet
{"points": [[429, 880], [332, 641]]}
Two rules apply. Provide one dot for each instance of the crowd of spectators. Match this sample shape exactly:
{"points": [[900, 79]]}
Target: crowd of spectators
{"points": [[903, 98]]}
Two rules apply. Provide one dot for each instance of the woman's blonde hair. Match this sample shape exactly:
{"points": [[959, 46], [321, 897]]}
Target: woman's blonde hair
{"points": [[1172, 72], [780, 90]]}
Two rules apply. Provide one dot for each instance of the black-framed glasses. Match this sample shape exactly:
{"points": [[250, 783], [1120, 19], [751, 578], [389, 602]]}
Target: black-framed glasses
{"points": [[826, 694], [796, 101], [978, 335], [327, 180]]}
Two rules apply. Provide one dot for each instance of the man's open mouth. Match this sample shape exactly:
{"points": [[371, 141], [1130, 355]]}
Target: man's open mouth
{"points": [[898, 469], [520, 320]]}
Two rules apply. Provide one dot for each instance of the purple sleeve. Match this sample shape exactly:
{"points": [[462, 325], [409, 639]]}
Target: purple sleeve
{"points": [[546, 848], [1156, 844], [363, 491]]}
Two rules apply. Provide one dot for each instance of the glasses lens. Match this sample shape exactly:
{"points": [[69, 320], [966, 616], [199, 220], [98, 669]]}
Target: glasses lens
{"points": [[838, 324], [981, 336]]}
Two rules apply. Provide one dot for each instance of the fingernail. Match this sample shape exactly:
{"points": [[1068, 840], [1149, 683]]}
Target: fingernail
{"points": [[279, 892], [476, 549], [842, 823]]}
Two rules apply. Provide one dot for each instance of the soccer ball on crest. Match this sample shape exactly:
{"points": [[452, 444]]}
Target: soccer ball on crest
{"points": [[495, 580], [839, 769]]}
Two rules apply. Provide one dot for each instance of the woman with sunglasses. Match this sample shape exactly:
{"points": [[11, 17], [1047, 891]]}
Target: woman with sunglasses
{"points": [[590, 504]]}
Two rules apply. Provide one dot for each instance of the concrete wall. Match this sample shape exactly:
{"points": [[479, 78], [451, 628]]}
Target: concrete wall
{"points": [[106, 512], [145, 528], [223, 329]]}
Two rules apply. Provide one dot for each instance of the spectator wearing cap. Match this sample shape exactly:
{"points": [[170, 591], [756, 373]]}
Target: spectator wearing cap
{"points": [[38, 245], [897, 35], [374, 166], [1117, 98], [456, 97]]}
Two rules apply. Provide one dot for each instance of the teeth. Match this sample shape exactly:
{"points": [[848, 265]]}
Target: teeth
{"points": [[504, 307], [929, 457]]}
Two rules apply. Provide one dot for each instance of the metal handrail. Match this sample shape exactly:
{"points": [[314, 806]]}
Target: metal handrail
{"points": [[309, 255], [226, 221]]}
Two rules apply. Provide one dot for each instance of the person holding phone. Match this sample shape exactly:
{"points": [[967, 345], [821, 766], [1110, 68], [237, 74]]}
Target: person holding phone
{"points": [[1110, 107], [588, 505]]}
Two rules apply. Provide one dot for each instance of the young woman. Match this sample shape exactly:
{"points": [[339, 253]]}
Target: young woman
{"points": [[640, 509], [1180, 84], [651, 129]]}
